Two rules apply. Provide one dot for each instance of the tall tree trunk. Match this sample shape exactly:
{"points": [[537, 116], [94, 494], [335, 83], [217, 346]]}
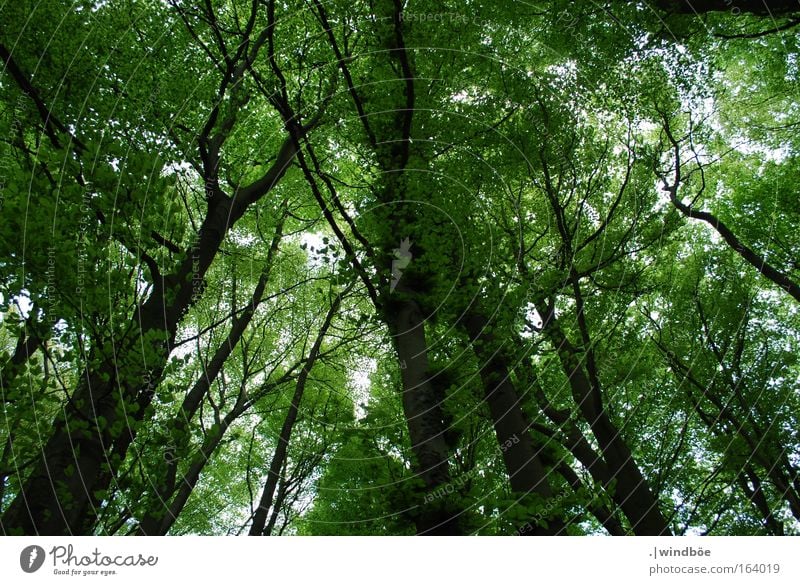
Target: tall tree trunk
{"points": [[632, 491], [603, 515], [165, 488], [79, 461], [257, 528], [402, 313], [280, 498], [573, 439], [526, 472], [757, 497], [423, 414]]}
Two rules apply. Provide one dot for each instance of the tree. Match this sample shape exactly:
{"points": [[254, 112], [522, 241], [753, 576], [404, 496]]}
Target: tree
{"points": [[399, 268]]}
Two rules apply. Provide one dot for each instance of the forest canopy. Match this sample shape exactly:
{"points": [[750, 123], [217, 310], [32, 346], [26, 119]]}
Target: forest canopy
{"points": [[398, 267]]}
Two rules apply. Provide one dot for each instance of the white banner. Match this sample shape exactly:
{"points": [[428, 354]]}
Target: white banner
{"points": [[376, 561]]}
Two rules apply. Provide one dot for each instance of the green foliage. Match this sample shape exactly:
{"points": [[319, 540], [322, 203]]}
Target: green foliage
{"points": [[524, 156]]}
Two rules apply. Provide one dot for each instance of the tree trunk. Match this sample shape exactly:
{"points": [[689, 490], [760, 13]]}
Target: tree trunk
{"points": [[280, 497], [521, 456], [79, 461], [757, 497], [632, 491], [423, 414], [165, 488], [279, 457], [603, 515], [576, 443]]}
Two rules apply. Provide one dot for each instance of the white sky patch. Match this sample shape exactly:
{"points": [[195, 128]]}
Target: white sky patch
{"points": [[360, 383], [241, 238], [647, 127], [24, 302], [142, 285], [777, 155], [531, 316], [313, 243], [312, 240], [460, 97], [176, 168], [565, 70]]}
